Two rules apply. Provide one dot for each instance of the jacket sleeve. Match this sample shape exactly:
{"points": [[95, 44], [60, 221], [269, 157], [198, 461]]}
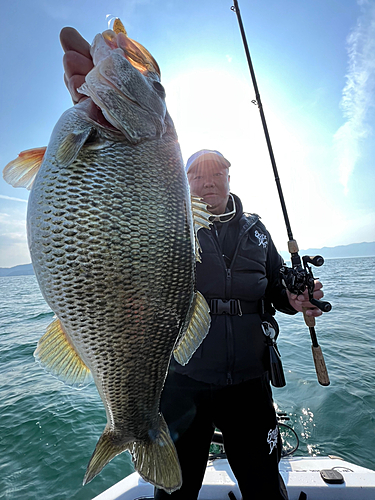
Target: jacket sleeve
{"points": [[276, 291]]}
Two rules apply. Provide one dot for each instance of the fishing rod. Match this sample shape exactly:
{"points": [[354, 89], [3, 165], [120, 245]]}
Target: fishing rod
{"points": [[298, 278]]}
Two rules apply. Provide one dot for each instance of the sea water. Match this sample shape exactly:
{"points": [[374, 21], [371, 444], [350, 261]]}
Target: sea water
{"points": [[48, 430]]}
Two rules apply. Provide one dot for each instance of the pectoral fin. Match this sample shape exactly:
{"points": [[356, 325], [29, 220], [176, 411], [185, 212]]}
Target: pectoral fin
{"points": [[57, 355], [200, 219], [196, 330], [22, 171], [71, 145]]}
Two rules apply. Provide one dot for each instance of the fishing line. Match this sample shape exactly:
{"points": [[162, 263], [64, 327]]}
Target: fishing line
{"points": [[110, 18]]}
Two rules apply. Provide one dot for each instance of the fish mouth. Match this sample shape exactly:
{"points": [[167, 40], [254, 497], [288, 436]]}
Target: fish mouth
{"points": [[100, 112], [133, 105], [96, 114], [138, 56]]}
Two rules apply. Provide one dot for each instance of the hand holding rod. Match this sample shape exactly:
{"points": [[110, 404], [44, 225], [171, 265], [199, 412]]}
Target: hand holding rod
{"points": [[298, 273]]}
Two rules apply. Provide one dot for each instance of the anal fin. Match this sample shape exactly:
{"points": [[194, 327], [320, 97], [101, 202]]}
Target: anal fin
{"points": [[197, 329], [57, 356]]}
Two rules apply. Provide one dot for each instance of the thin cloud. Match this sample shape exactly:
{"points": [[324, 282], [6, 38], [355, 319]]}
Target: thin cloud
{"points": [[358, 94], [3, 197], [58, 10]]}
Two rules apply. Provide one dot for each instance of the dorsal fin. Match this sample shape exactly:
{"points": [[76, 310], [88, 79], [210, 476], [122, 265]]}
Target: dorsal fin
{"points": [[57, 356], [201, 218], [22, 171]]}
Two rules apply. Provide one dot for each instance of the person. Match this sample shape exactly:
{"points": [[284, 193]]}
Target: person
{"points": [[226, 383]]}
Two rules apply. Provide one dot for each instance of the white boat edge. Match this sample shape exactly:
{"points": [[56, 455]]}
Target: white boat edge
{"points": [[300, 474]]}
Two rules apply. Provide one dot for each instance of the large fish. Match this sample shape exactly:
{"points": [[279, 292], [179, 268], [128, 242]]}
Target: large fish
{"points": [[112, 237]]}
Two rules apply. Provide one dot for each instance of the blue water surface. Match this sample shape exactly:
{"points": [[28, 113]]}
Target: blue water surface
{"points": [[48, 430]]}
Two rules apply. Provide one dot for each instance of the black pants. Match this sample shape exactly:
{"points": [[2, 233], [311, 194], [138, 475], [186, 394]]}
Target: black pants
{"points": [[246, 417]]}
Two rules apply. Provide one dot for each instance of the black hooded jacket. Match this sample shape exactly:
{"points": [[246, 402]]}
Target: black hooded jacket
{"points": [[239, 261]]}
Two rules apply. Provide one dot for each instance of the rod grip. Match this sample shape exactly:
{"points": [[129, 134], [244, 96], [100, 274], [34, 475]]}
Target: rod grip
{"points": [[320, 366], [309, 320], [292, 246]]}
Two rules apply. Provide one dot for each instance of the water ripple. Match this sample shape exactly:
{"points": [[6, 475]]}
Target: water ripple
{"points": [[48, 431]]}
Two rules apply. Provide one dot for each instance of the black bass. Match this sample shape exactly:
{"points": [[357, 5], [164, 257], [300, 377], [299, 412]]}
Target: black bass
{"points": [[112, 237]]}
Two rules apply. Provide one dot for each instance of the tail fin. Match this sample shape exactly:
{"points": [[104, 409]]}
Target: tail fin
{"points": [[105, 449], [155, 459]]}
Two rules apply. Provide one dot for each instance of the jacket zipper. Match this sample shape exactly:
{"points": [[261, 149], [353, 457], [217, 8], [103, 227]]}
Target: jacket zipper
{"points": [[228, 287], [230, 336]]}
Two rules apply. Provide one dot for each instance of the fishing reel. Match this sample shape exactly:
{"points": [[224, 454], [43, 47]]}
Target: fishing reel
{"points": [[297, 278]]}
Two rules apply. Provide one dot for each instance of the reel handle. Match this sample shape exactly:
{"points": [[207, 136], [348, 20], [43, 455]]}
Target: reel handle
{"points": [[321, 304], [316, 261]]}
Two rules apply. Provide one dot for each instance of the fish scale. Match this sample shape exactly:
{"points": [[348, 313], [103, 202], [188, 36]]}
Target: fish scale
{"points": [[112, 237], [107, 293]]}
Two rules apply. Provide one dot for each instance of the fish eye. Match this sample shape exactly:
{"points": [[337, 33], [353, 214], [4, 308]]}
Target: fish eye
{"points": [[158, 87]]}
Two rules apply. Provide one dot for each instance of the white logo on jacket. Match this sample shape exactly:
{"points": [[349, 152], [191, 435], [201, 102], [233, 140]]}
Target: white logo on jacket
{"points": [[272, 438], [262, 238]]}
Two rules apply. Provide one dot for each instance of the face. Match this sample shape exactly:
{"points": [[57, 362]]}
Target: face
{"points": [[210, 181]]}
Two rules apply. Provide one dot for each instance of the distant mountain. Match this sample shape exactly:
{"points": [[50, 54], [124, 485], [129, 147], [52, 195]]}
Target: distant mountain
{"points": [[23, 270], [353, 250]]}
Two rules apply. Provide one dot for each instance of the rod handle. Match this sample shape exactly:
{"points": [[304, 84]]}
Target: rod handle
{"points": [[320, 366], [293, 246], [309, 320]]}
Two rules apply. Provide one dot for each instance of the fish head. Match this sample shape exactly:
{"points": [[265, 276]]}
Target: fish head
{"points": [[125, 85]]}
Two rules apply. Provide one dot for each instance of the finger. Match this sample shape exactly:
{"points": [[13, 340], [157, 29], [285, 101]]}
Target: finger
{"points": [[314, 312], [291, 296], [308, 305], [74, 83], [304, 297], [317, 285], [74, 98], [70, 39], [76, 64], [318, 294]]}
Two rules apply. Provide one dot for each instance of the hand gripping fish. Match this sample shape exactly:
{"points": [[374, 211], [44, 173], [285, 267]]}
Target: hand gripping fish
{"points": [[112, 236]]}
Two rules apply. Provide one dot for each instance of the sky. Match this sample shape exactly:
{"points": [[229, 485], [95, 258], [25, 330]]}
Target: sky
{"points": [[314, 62]]}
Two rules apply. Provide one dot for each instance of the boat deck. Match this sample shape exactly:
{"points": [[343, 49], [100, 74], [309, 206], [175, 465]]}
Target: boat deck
{"points": [[299, 474]]}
